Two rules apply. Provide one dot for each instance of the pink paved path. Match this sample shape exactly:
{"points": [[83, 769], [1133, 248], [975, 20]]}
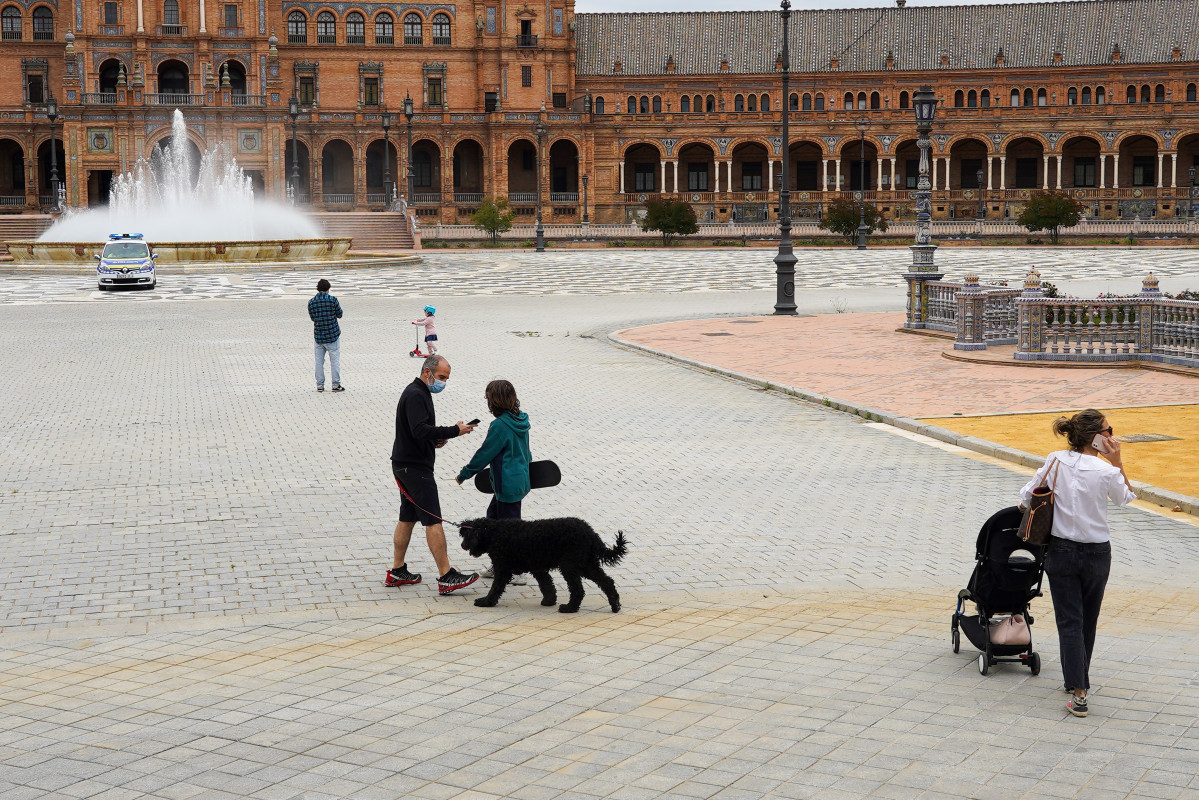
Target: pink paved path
{"points": [[860, 359]]}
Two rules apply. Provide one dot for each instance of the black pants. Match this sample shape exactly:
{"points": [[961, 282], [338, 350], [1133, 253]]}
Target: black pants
{"points": [[499, 510], [1078, 574]]}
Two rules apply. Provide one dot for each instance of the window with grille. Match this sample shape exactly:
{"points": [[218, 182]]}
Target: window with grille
{"points": [[355, 28], [643, 177], [1190, 92], [170, 12], [599, 105], [526, 76], [657, 105], [820, 102], [441, 29], [807, 102], [384, 29], [751, 176], [435, 95], [370, 91], [685, 104], [1144, 170], [230, 15], [1084, 172], [559, 99], [307, 90], [111, 14], [10, 23], [697, 177], [413, 30], [297, 28], [422, 169], [326, 28]]}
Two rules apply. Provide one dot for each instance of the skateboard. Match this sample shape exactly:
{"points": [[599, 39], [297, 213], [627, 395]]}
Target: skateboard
{"points": [[542, 474]]}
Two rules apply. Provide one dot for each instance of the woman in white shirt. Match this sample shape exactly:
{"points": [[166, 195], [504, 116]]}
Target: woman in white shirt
{"points": [[1079, 558]]}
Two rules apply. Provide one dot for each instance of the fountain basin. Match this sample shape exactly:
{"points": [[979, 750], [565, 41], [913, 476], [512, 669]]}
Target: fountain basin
{"points": [[248, 252]]}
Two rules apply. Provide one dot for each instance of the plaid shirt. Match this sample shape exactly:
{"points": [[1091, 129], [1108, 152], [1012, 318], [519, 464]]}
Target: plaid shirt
{"points": [[324, 310]]}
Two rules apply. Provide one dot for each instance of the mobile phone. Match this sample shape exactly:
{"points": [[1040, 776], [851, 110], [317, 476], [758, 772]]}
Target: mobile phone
{"points": [[1098, 443], [474, 421]]}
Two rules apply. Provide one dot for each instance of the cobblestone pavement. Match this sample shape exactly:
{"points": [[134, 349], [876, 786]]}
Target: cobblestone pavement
{"points": [[607, 272], [190, 598]]}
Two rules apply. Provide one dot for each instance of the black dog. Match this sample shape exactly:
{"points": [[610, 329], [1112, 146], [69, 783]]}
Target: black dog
{"points": [[567, 544]]}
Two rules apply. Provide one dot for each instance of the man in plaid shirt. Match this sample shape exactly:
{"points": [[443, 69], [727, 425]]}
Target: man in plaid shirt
{"points": [[324, 310]]}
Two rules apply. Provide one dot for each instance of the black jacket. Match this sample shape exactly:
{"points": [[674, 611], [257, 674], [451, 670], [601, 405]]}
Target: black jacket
{"points": [[416, 428]]}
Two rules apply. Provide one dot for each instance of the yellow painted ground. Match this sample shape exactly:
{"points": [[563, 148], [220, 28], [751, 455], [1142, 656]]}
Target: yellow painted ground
{"points": [[1172, 465]]}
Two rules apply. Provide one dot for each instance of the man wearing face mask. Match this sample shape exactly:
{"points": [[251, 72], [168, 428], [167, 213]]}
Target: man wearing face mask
{"points": [[412, 458]]}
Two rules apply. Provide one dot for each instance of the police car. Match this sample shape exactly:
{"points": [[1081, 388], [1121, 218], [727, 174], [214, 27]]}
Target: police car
{"points": [[126, 260]]}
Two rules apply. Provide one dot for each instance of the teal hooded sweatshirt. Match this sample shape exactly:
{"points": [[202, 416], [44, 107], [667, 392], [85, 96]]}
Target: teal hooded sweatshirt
{"points": [[506, 451]]}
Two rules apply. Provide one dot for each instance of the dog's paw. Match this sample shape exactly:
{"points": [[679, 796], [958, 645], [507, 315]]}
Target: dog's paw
{"points": [[567, 609], [616, 608], [485, 602], [549, 601]]}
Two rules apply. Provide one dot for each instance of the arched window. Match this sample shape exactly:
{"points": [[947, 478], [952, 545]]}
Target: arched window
{"points": [[326, 28], [697, 104], [170, 14], [807, 102], [1159, 91], [43, 24], [738, 103], [355, 28], [959, 99], [903, 100], [985, 97], [1131, 95], [1015, 98], [644, 106], [751, 103], [820, 101], [297, 28], [972, 99], [847, 102], [1190, 92], [1086, 95], [413, 29], [1145, 93], [441, 29], [710, 104], [110, 72], [384, 29], [631, 108], [765, 102], [1100, 96], [599, 105], [875, 101], [685, 104], [1072, 96], [1028, 97], [10, 23], [862, 101], [1042, 98], [793, 104], [657, 105]]}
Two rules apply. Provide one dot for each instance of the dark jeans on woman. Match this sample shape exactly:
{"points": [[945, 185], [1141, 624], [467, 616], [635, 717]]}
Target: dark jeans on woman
{"points": [[498, 510], [1078, 574]]}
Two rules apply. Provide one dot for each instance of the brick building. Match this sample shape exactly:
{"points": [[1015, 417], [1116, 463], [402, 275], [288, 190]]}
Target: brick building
{"points": [[1097, 97]]}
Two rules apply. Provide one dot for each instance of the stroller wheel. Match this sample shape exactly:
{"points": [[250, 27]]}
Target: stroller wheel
{"points": [[957, 640], [1034, 663], [984, 664]]}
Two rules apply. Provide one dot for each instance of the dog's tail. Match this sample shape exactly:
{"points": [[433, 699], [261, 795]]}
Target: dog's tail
{"points": [[615, 554]]}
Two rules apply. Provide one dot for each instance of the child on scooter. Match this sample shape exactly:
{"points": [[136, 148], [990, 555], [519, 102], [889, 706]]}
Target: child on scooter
{"points": [[430, 326]]}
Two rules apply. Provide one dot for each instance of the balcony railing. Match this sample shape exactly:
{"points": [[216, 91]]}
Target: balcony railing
{"points": [[232, 33], [388, 40], [376, 198], [297, 38], [522, 197], [249, 100], [338, 199], [355, 38], [468, 198], [526, 40], [564, 197], [168, 99], [441, 40], [43, 35], [414, 40], [326, 38], [12, 200], [426, 198], [112, 30], [100, 98], [172, 30], [11, 36]]}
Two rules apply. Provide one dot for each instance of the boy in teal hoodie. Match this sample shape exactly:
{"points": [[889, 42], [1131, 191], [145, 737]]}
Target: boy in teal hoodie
{"points": [[505, 450]]}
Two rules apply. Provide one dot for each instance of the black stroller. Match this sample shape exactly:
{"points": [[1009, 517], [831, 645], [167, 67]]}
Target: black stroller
{"points": [[1007, 576]]}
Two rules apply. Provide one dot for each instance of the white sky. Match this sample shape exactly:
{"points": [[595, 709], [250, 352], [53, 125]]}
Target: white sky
{"points": [[591, 6]]}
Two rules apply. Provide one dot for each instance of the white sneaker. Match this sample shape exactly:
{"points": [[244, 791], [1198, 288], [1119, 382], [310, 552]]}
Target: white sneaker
{"points": [[520, 580]]}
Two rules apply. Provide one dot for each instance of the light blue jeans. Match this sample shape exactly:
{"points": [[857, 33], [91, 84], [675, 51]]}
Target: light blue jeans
{"points": [[334, 351]]}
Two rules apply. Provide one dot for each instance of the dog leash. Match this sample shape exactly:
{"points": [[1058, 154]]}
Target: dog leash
{"points": [[408, 496]]}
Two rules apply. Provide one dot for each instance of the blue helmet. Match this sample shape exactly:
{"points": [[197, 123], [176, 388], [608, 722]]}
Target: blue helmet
{"points": [[430, 310]]}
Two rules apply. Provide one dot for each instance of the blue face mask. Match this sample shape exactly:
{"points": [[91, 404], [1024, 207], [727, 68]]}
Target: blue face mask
{"points": [[437, 386]]}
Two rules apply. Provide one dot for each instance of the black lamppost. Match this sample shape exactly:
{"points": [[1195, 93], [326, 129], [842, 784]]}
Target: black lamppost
{"points": [[924, 103], [293, 111], [982, 211], [387, 190], [862, 229], [585, 220], [784, 262], [1191, 205], [52, 114], [541, 131], [408, 116]]}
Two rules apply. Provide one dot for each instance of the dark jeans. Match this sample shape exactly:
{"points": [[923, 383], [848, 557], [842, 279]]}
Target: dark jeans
{"points": [[498, 510], [1077, 577]]}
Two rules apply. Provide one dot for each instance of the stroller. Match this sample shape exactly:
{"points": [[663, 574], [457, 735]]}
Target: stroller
{"points": [[1007, 576]]}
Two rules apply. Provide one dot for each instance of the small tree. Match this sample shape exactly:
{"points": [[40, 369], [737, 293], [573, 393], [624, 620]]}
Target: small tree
{"points": [[670, 217], [493, 216], [842, 217], [1050, 211]]}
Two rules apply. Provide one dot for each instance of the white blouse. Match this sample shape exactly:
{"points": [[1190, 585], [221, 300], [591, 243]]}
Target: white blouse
{"points": [[1084, 485]]}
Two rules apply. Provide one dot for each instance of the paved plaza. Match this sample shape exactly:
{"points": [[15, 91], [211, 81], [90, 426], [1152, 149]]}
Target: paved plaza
{"points": [[191, 599]]}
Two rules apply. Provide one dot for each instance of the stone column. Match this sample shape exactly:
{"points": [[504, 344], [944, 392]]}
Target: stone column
{"points": [[971, 316], [676, 175], [878, 175], [933, 174], [1002, 173], [1115, 170], [203, 20], [769, 175], [731, 187], [1174, 170], [990, 171], [662, 165], [1150, 294], [621, 189], [894, 186], [823, 175], [716, 165], [1102, 171], [141, 17], [1045, 177], [837, 176], [1059, 171], [947, 171], [1159, 170], [1030, 310]]}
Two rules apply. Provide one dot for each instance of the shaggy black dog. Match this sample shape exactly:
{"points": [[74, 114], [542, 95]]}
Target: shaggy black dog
{"points": [[568, 545]]}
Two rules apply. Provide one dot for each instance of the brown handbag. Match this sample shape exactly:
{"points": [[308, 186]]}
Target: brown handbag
{"points": [[1037, 523]]}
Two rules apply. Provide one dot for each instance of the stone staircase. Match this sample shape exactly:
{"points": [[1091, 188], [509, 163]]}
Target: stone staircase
{"points": [[373, 232], [22, 226]]}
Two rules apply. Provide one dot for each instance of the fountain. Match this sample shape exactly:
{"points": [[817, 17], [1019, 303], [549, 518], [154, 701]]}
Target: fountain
{"points": [[189, 215]]}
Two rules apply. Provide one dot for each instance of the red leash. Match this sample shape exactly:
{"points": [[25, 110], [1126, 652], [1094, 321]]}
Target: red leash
{"points": [[408, 497]]}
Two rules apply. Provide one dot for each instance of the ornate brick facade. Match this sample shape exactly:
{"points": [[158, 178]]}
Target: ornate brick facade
{"points": [[1096, 97]]}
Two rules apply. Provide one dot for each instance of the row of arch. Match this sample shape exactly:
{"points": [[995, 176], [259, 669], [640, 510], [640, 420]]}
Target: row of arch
{"points": [[173, 76], [354, 25], [12, 23]]}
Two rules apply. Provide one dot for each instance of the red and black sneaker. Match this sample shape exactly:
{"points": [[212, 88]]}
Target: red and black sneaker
{"points": [[400, 576], [454, 580]]}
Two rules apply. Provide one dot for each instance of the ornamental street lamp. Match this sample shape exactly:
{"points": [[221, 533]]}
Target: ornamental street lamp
{"points": [[408, 116], [923, 269], [388, 190], [293, 111], [585, 220], [862, 229], [1191, 205], [52, 114], [784, 262], [541, 131], [982, 212]]}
